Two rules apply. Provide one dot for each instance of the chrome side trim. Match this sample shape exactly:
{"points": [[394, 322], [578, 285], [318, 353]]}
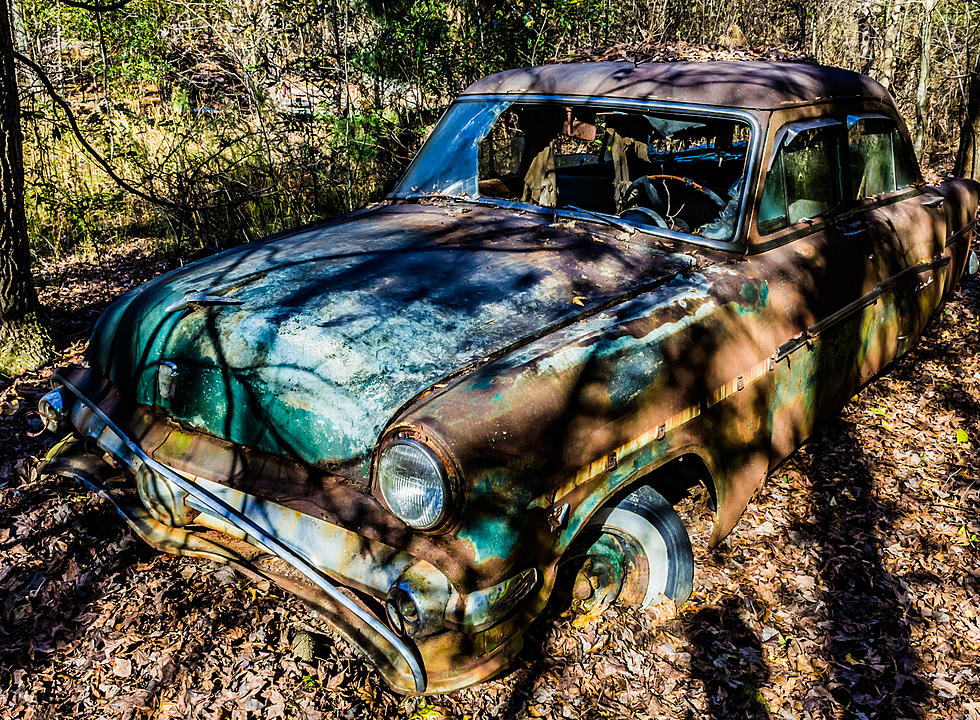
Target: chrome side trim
{"points": [[961, 232], [807, 336], [219, 507]]}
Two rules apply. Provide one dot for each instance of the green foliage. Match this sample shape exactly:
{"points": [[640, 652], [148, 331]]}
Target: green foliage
{"points": [[413, 42], [133, 37], [426, 711]]}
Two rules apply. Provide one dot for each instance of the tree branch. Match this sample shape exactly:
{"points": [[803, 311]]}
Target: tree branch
{"points": [[96, 8], [73, 124], [101, 161]]}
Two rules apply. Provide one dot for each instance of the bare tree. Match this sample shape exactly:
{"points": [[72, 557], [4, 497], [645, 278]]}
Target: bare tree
{"points": [[968, 157], [921, 91], [25, 343], [889, 38], [866, 35]]}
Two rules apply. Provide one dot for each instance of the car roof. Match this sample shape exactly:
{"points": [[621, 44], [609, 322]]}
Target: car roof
{"points": [[751, 84]]}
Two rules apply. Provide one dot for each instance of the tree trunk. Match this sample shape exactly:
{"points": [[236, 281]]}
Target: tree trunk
{"points": [[24, 341], [866, 36], [890, 36], [921, 96], [968, 157]]}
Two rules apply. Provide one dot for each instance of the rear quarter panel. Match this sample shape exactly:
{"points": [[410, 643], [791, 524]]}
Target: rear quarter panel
{"points": [[961, 200]]}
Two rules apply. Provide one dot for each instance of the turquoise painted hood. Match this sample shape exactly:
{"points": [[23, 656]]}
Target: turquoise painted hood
{"points": [[307, 343]]}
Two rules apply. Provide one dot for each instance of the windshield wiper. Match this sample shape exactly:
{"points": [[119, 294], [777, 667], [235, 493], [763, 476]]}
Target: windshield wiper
{"points": [[454, 198], [601, 218]]}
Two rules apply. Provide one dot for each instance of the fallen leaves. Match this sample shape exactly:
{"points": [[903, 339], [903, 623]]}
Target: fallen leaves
{"points": [[659, 51], [850, 588], [122, 668]]}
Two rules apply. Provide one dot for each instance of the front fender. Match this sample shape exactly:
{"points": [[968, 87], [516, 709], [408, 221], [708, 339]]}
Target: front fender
{"points": [[581, 413]]}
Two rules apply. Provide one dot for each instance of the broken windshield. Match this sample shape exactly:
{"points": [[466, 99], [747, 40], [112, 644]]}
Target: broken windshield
{"points": [[682, 172]]}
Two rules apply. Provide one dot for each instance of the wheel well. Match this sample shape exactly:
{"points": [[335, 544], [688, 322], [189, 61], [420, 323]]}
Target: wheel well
{"points": [[675, 479]]}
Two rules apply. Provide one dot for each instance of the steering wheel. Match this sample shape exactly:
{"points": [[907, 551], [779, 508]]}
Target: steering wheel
{"points": [[645, 182], [649, 214]]}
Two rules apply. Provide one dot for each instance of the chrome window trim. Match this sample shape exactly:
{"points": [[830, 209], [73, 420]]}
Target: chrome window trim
{"points": [[787, 133], [853, 120]]}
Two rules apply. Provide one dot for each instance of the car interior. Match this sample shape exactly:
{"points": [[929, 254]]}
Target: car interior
{"points": [[678, 172]]}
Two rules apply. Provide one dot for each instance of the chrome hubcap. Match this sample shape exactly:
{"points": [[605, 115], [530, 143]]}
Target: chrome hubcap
{"points": [[609, 570]]}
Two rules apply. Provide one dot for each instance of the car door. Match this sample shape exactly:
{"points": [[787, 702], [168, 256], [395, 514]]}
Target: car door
{"points": [[822, 280], [906, 227]]}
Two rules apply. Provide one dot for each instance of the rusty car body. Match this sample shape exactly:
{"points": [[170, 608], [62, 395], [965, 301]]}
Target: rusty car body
{"points": [[595, 284]]}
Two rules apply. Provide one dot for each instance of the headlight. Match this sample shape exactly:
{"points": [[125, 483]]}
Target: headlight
{"points": [[413, 483]]}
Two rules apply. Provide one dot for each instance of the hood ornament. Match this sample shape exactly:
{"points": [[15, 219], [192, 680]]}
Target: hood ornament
{"points": [[167, 375]]}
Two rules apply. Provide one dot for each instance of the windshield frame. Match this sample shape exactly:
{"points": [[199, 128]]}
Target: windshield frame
{"points": [[737, 241]]}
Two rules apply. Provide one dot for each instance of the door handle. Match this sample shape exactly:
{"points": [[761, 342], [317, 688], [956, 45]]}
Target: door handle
{"points": [[923, 284], [934, 202]]}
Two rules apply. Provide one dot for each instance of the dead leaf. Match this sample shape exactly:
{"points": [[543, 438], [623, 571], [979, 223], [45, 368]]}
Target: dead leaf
{"points": [[121, 667]]}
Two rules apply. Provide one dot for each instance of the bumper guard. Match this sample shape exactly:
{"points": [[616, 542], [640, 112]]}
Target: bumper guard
{"points": [[141, 521]]}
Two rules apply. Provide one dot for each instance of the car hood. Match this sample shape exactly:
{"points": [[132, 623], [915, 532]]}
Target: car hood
{"points": [[307, 343]]}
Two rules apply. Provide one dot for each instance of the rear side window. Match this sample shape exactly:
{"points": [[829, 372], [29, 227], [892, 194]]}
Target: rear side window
{"points": [[880, 159], [804, 179]]}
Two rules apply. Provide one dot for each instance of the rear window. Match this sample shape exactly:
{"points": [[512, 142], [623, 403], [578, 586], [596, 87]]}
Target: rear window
{"points": [[880, 158]]}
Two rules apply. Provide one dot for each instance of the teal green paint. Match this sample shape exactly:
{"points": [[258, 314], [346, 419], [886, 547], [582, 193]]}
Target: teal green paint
{"points": [[337, 326], [757, 293], [491, 523], [750, 292], [630, 469], [492, 537], [483, 383]]}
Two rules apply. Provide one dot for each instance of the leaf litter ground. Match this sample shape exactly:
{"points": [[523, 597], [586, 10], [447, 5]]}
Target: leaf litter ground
{"points": [[850, 589]]}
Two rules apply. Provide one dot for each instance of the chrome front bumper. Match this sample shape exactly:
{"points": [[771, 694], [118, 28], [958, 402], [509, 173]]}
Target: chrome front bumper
{"points": [[484, 622]]}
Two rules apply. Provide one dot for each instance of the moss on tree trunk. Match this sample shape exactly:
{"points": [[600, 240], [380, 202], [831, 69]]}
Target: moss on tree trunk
{"points": [[25, 343]]}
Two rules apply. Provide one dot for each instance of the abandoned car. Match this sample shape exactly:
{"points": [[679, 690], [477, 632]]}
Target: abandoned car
{"points": [[596, 285]]}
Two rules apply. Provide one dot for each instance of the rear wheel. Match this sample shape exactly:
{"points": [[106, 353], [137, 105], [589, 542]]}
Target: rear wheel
{"points": [[634, 553]]}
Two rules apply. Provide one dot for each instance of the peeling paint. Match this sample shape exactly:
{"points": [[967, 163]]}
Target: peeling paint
{"points": [[543, 367]]}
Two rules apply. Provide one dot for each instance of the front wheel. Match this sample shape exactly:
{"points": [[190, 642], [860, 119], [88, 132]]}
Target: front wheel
{"points": [[633, 553]]}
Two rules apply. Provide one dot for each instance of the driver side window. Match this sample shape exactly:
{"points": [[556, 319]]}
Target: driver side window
{"points": [[804, 180]]}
